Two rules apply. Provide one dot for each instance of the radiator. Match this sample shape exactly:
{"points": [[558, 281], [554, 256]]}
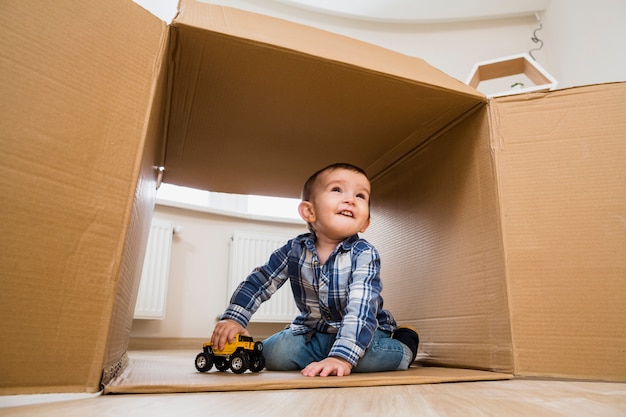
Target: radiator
{"points": [[249, 250], [152, 294]]}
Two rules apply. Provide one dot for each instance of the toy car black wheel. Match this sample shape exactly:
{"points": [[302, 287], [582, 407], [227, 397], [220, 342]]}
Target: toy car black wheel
{"points": [[221, 364], [258, 347], [257, 364], [203, 362], [239, 363]]}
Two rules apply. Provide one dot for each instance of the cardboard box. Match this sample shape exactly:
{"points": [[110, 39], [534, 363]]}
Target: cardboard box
{"points": [[505, 247], [471, 201]]}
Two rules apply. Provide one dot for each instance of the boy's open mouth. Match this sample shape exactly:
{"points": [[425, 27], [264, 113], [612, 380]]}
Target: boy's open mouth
{"points": [[346, 213]]}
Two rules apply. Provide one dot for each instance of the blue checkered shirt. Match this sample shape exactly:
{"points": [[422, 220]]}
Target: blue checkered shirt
{"points": [[342, 296]]}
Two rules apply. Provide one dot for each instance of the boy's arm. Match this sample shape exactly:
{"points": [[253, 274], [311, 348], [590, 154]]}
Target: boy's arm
{"points": [[255, 289]]}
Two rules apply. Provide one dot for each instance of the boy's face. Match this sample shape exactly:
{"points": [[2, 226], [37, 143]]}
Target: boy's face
{"points": [[339, 204]]}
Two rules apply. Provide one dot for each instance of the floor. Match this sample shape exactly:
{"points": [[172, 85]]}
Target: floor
{"points": [[536, 398]]}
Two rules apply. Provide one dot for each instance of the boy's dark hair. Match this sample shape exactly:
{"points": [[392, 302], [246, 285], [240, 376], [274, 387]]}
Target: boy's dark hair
{"points": [[308, 185]]}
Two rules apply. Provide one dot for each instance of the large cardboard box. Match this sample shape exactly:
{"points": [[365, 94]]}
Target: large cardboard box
{"points": [[500, 222]]}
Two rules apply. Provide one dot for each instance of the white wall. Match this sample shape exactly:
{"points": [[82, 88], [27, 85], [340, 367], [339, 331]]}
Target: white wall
{"points": [[585, 41], [198, 278], [582, 45]]}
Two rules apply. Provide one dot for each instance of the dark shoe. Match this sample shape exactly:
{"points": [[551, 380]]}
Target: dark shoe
{"points": [[409, 337]]}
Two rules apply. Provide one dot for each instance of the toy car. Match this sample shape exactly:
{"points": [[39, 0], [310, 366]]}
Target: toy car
{"points": [[242, 354]]}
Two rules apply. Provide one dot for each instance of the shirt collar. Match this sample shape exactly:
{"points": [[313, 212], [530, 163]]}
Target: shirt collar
{"points": [[308, 240]]}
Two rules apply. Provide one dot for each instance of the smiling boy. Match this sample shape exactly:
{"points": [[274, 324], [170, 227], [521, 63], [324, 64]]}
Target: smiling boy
{"points": [[335, 278]]}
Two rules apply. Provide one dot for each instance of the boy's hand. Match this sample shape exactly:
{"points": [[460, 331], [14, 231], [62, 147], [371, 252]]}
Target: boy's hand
{"points": [[225, 331], [329, 366]]}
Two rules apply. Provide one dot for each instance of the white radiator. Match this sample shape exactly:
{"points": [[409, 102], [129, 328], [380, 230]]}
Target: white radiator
{"points": [[249, 250], [152, 294]]}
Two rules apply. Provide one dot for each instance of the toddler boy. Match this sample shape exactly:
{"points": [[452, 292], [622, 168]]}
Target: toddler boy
{"points": [[335, 278]]}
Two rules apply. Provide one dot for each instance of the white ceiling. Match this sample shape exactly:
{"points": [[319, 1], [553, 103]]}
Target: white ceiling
{"points": [[421, 11], [391, 11]]}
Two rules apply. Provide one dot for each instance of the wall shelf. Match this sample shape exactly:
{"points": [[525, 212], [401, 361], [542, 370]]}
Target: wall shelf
{"points": [[533, 77]]}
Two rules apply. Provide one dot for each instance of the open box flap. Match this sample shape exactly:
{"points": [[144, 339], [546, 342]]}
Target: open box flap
{"points": [[79, 142], [308, 98]]}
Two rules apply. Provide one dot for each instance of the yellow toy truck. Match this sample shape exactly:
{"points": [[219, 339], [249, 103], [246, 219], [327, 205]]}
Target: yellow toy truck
{"points": [[242, 354]]}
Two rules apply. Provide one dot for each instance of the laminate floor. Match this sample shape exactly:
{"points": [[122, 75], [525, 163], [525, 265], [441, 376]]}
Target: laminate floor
{"points": [[509, 398]]}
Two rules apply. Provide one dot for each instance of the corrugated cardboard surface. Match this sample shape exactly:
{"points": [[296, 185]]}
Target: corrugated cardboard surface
{"points": [[168, 371], [562, 175], [76, 86], [138, 220], [507, 250], [259, 103], [435, 220]]}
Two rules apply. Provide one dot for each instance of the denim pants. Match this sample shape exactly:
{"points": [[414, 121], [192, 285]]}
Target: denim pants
{"points": [[285, 352]]}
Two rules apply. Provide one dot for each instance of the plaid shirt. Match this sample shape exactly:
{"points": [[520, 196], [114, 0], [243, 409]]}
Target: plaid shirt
{"points": [[342, 296]]}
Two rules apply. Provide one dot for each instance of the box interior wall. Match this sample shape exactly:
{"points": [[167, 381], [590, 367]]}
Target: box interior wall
{"points": [[436, 223]]}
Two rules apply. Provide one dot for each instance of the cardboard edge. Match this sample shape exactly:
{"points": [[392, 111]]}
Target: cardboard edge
{"points": [[389, 160], [234, 382], [495, 144], [145, 174]]}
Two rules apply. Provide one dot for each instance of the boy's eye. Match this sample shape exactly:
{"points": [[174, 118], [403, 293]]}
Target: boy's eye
{"points": [[336, 189]]}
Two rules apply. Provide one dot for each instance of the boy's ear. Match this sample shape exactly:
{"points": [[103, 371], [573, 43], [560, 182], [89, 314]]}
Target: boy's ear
{"points": [[305, 208]]}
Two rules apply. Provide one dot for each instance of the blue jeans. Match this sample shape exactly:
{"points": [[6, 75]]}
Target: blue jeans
{"points": [[285, 352]]}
